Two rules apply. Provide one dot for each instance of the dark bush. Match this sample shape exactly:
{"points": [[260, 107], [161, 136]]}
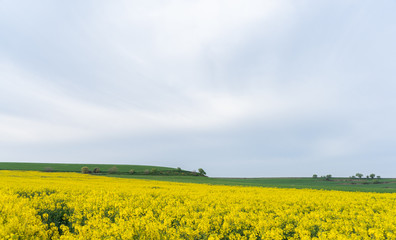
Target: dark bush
{"points": [[201, 172], [85, 170], [328, 177]]}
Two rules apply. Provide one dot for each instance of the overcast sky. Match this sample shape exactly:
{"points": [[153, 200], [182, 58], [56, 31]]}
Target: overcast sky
{"points": [[239, 88]]}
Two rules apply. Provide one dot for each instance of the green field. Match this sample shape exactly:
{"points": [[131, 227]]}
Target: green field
{"points": [[384, 185], [63, 167]]}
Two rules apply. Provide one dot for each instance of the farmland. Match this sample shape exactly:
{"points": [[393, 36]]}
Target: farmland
{"points": [[74, 167], [384, 185], [41, 205]]}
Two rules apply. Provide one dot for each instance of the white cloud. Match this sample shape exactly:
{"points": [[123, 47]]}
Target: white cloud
{"points": [[146, 36], [53, 115]]}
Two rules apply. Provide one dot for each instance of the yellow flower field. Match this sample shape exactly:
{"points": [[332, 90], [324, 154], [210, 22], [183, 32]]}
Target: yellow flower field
{"points": [[36, 205]]}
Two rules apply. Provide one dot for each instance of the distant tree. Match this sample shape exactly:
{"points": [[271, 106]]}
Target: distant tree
{"points": [[146, 172], [372, 176], [359, 175], [201, 172], [85, 170], [328, 177], [315, 176], [96, 170], [378, 177], [113, 170], [132, 171], [178, 169], [154, 171]]}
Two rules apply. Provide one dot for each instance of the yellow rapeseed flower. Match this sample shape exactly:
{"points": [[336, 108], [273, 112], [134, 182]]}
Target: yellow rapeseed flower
{"points": [[36, 205]]}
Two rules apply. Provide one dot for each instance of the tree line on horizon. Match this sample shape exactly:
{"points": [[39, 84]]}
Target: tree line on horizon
{"points": [[152, 171], [328, 177]]}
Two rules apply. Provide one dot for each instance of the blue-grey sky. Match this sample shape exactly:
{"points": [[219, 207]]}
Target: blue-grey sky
{"points": [[240, 88]]}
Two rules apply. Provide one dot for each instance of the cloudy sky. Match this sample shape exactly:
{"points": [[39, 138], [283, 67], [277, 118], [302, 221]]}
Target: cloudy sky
{"points": [[238, 88]]}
